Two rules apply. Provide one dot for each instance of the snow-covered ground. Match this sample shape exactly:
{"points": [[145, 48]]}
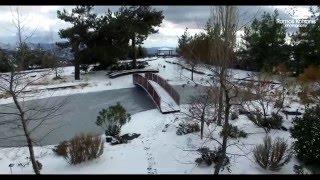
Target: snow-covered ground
{"points": [[155, 151], [159, 150]]}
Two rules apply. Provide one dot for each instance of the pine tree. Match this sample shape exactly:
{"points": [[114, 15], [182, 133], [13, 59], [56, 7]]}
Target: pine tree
{"points": [[140, 21], [306, 45], [264, 45], [79, 34]]}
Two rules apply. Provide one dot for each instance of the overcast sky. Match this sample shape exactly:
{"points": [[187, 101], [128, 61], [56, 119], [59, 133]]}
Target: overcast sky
{"points": [[43, 21]]}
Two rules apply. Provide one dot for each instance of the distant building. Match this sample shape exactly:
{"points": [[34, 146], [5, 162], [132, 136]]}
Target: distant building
{"points": [[165, 52]]}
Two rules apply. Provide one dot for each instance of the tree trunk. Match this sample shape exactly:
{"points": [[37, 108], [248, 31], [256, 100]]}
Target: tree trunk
{"points": [[192, 69], [222, 155], [202, 125], [28, 138], [76, 63], [76, 70], [134, 61], [220, 99], [223, 150], [56, 72]]}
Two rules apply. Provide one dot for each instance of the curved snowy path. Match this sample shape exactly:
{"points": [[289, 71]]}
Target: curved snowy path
{"points": [[80, 113]]}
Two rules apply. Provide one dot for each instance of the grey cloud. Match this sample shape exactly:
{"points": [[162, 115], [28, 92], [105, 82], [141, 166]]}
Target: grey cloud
{"points": [[195, 16], [182, 16]]}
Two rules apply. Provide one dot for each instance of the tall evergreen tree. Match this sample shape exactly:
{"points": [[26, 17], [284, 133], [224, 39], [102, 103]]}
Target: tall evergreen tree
{"points": [[264, 45], [183, 40], [110, 40], [78, 35], [140, 21], [306, 45]]}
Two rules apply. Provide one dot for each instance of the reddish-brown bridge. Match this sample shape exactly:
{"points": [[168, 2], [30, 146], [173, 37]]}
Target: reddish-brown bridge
{"points": [[162, 93]]}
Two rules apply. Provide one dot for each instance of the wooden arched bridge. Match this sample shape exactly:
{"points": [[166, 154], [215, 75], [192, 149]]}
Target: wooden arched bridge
{"points": [[162, 93]]}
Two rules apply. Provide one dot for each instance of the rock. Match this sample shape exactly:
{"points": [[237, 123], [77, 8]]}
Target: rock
{"points": [[284, 128], [115, 142], [123, 139], [109, 139], [242, 111], [293, 113], [129, 136]]}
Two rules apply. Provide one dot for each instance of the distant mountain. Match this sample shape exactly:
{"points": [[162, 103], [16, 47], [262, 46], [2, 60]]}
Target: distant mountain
{"points": [[6, 46], [63, 53], [66, 53], [44, 46]]}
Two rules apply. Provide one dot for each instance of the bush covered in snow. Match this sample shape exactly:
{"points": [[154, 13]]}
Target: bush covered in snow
{"points": [[273, 122], [126, 66], [61, 149], [81, 148], [113, 130], [272, 155], [186, 128], [208, 157], [112, 118], [307, 132], [233, 132], [234, 116]]}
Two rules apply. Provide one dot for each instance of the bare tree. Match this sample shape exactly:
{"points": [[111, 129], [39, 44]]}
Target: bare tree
{"points": [[192, 52], [223, 21], [267, 98], [23, 119], [56, 61], [202, 108], [218, 54], [19, 21]]}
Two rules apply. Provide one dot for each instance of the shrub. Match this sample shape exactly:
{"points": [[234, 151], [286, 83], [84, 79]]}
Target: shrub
{"points": [[278, 104], [98, 68], [61, 149], [234, 116], [84, 67], [256, 118], [273, 122], [81, 148], [112, 130], [272, 155], [126, 66], [5, 94], [112, 118], [306, 131], [209, 156], [4, 67], [186, 128], [233, 132]]}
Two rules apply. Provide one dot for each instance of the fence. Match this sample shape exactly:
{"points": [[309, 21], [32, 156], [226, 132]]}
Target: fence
{"points": [[143, 82], [165, 85]]}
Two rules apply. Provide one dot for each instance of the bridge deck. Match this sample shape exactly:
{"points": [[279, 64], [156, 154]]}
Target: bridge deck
{"points": [[126, 72], [167, 104]]}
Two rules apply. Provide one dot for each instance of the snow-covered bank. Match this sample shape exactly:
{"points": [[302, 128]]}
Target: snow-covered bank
{"points": [[155, 151]]}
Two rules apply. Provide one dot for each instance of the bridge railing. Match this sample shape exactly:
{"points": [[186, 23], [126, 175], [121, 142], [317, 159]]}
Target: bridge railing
{"points": [[144, 83], [164, 84]]}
